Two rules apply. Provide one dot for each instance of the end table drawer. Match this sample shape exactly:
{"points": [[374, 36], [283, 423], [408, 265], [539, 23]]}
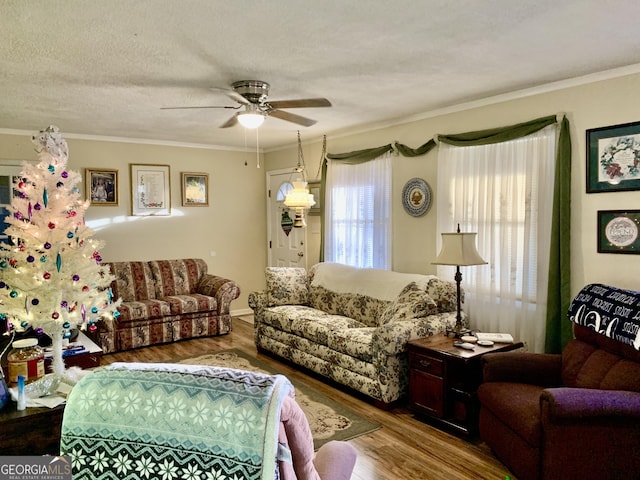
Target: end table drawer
{"points": [[426, 363]]}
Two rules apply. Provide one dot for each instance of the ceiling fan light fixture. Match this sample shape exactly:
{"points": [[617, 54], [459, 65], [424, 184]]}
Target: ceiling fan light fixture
{"points": [[251, 120]]}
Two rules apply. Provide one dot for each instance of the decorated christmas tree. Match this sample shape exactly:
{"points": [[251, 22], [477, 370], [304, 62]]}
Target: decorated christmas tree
{"points": [[51, 279]]}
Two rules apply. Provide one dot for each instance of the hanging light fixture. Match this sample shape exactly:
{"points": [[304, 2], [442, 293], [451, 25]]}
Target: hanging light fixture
{"points": [[299, 198], [252, 117]]}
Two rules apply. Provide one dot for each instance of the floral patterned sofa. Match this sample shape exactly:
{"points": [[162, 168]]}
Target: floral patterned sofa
{"points": [[351, 325], [164, 301]]}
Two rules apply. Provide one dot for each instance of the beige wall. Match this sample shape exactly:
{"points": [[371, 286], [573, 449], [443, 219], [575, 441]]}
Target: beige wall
{"points": [[587, 106], [234, 224]]}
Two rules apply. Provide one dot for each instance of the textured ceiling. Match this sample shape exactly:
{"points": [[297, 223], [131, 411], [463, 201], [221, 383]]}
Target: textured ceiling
{"points": [[105, 68]]}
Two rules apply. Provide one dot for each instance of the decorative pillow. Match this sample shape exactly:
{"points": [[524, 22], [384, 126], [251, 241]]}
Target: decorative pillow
{"points": [[412, 302], [287, 286], [443, 292]]}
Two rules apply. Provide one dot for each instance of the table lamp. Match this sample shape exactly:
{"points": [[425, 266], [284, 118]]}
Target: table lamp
{"points": [[459, 250]]}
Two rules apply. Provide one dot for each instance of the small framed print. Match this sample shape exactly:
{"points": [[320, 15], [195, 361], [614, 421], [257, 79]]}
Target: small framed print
{"points": [[314, 189], [102, 186], [613, 158], [150, 190], [195, 189], [619, 231]]}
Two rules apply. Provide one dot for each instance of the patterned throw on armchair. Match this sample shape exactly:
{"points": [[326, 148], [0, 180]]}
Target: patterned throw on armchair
{"points": [[146, 421]]}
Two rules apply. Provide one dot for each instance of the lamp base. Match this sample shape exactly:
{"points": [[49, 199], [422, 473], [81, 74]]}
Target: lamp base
{"points": [[457, 331]]}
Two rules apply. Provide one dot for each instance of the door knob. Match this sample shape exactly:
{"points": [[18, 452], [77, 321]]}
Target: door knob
{"points": [[300, 254]]}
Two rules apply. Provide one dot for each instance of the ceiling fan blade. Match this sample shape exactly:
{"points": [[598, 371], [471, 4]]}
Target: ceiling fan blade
{"points": [[291, 117], [232, 94], [231, 122], [183, 108], [301, 103]]}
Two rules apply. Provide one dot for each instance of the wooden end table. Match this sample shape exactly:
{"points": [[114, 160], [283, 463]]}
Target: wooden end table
{"points": [[36, 431], [443, 380]]}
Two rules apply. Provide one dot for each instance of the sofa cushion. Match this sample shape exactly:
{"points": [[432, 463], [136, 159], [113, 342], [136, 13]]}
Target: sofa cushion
{"points": [[307, 322], [133, 281], [326, 300], [586, 366], [181, 304], [413, 302], [177, 277], [143, 310], [287, 286], [355, 342]]}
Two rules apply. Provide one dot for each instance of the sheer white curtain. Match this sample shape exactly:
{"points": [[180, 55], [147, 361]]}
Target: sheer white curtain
{"points": [[358, 213], [504, 192]]}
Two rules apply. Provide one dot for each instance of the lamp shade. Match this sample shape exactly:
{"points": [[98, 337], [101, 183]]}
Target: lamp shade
{"points": [[299, 197], [251, 120], [459, 249]]}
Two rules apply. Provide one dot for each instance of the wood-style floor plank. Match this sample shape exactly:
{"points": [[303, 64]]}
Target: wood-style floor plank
{"points": [[404, 448]]}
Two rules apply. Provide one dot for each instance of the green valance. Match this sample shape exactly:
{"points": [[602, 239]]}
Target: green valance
{"points": [[361, 156], [498, 135]]}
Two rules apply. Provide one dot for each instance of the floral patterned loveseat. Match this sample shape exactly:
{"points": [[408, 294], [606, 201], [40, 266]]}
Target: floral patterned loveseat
{"points": [[164, 301], [351, 325]]}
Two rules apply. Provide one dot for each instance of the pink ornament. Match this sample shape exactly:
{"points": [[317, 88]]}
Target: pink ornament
{"points": [[55, 315], [46, 275]]}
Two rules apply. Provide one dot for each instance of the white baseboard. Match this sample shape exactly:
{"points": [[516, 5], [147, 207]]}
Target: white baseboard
{"points": [[241, 312]]}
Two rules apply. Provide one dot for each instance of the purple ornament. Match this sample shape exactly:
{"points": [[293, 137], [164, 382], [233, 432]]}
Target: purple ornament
{"points": [[18, 215], [37, 206], [30, 259], [47, 246], [76, 277], [64, 174]]}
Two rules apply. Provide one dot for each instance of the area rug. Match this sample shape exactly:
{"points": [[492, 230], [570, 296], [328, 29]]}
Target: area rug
{"points": [[328, 419]]}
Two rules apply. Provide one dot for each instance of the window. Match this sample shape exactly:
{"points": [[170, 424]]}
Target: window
{"points": [[358, 213], [504, 192]]}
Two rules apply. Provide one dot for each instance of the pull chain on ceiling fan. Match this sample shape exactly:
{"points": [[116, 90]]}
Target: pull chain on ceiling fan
{"points": [[254, 96]]}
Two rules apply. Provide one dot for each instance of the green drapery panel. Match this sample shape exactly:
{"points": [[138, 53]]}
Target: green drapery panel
{"points": [[558, 331]]}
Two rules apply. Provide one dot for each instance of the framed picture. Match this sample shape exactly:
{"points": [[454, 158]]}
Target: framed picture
{"points": [[102, 186], [195, 189], [314, 189], [613, 158], [619, 231], [150, 190]]}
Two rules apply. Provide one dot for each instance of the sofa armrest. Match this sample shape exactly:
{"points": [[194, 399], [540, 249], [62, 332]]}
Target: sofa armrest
{"points": [[223, 289], [587, 404], [392, 338], [258, 301], [542, 369]]}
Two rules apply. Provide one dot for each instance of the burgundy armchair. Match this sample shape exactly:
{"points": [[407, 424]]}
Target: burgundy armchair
{"points": [[571, 415]]}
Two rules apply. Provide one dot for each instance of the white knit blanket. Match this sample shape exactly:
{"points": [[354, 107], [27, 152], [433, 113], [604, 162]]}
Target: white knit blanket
{"points": [[376, 283]]}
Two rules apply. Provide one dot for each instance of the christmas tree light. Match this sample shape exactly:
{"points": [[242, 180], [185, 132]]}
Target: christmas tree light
{"points": [[51, 278]]}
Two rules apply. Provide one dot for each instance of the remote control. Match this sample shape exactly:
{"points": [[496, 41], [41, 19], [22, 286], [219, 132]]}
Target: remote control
{"points": [[466, 345]]}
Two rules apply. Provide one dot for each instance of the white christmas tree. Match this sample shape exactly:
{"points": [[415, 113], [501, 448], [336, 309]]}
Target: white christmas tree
{"points": [[50, 276]]}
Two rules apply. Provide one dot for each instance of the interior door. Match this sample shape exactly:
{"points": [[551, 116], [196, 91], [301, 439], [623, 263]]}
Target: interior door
{"points": [[287, 245]]}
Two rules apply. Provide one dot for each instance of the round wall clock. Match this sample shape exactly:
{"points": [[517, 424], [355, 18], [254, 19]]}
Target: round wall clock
{"points": [[416, 197]]}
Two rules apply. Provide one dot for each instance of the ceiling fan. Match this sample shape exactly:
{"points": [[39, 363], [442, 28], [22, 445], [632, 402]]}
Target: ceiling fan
{"points": [[253, 96]]}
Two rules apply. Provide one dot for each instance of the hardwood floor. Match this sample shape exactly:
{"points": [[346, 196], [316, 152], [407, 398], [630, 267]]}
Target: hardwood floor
{"points": [[404, 448]]}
